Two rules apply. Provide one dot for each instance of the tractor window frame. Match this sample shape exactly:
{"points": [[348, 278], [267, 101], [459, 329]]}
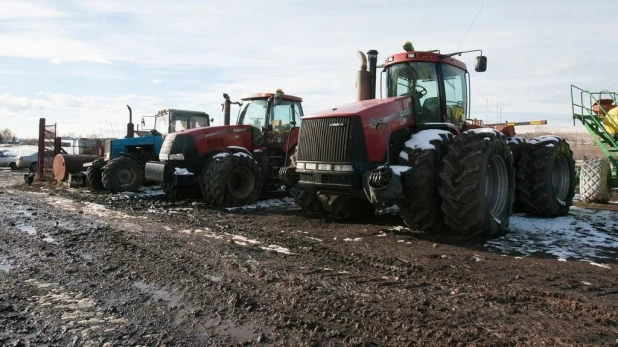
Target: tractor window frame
{"points": [[427, 108], [455, 84]]}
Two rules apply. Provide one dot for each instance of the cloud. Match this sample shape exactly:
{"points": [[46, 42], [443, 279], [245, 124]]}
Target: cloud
{"points": [[27, 10], [157, 81]]}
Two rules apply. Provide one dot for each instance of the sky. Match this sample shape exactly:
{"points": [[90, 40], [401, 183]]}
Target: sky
{"points": [[78, 63]]}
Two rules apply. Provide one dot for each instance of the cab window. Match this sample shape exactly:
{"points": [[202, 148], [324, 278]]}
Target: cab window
{"points": [[455, 93], [419, 80], [285, 116], [253, 113]]}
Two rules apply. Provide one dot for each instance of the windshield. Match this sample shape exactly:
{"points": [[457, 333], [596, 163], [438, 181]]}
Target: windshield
{"points": [[455, 93], [420, 81], [253, 112]]}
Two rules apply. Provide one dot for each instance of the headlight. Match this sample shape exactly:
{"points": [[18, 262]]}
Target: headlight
{"points": [[344, 167], [300, 166], [325, 167], [311, 166], [178, 156], [162, 157]]}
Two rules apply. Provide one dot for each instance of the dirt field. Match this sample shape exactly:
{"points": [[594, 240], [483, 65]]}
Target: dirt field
{"points": [[82, 269]]}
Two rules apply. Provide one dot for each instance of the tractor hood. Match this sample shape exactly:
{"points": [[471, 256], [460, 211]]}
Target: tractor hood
{"points": [[212, 131], [368, 109]]}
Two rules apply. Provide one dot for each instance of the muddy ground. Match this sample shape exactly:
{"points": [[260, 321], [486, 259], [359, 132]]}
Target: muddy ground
{"points": [[82, 269]]}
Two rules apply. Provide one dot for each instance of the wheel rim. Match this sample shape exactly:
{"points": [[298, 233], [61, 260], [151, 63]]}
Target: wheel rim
{"points": [[241, 182], [561, 178], [496, 186], [126, 177]]}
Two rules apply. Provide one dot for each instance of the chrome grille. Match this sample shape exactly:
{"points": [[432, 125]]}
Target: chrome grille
{"points": [[324, 140]]}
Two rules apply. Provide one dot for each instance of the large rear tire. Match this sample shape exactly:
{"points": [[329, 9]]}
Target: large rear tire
{"points": [[94, 176], [594, 180], [546, 176], [420, 205], [122, 174], [232, 180], [478, 183], [515, 145]]}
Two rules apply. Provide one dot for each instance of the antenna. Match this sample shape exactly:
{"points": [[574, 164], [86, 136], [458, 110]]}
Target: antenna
{"points": [[463, 38]]}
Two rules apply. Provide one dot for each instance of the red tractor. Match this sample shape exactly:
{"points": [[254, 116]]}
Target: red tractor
{"points": [[231, 164], [418, 149]]}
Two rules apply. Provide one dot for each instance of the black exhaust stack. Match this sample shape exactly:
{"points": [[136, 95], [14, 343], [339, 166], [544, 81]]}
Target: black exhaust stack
{"points": [[130, 127], [372, 56], [226, 109]]}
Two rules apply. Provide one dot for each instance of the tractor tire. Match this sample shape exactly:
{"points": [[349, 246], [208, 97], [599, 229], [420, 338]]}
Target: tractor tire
{"points": [[232, 180], [13, 166], [307, 200], [515, 145], [33, 167], [94, 178], [594, 180], [546, 177], [478, 184], [343, 207], [419, 207], [122, 174]]}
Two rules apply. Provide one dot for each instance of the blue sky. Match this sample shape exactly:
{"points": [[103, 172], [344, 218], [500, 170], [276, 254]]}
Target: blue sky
{"points": [[77, 63]]}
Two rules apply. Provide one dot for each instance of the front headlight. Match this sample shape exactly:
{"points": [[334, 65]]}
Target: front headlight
{"points": [[178, 156], [325, 167], [344, 167], [300, 166], [311, 166]]}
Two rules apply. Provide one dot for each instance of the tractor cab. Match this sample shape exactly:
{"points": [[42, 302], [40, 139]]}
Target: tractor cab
{"points": [[437, 84], [172, 120], [272, 118]]}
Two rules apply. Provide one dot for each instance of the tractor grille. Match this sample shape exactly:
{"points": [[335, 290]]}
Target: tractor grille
{"points": [[332, 140], [347, 180]]}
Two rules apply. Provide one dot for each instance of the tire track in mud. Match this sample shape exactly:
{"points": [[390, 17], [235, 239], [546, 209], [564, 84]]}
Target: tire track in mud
{"points": [[229, 290]]}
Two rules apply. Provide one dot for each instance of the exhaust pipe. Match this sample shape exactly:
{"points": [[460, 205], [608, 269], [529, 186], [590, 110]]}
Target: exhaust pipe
{"points": [[130, 127], [226, 109], [373, 62], [363, 79]]}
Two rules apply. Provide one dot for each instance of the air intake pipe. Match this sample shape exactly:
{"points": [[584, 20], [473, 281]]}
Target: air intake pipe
{"points": [[363, 79]]}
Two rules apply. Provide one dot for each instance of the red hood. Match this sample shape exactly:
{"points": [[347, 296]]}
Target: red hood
{"points": [[211, 130], [359, 107]]}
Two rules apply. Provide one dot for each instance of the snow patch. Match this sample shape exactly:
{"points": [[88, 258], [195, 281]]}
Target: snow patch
{"points": [[352, 240], [601, 265], [483, 131], [397, 169], [288, 203], [277, 249], [221, 155], [585, 234], [422, 139], [516, 140], [242, 154], [542, 139], [182, 172]]}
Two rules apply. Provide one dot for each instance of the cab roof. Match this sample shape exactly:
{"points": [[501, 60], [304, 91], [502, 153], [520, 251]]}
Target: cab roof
{"points": [[270, 95], [419, 56]]}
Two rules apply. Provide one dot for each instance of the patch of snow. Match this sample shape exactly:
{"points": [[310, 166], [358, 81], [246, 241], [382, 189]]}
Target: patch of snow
{"points": [[244, 239], [313, 238], [182, 172], [352, 240], [577, 197], [601, 265], [487, 139], [397, 169], [516, 139], [403, 155], [257, 151], [266, 204], [585, 234], [550, 145], [221, 155], [483, 131], [542, 139], [277, 249], [242, 154], [145, 193], [422, 139], [237, 148], [586, 283]]}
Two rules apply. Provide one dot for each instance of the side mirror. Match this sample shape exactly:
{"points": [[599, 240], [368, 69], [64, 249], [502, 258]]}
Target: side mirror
{"points": [[481, 63]]}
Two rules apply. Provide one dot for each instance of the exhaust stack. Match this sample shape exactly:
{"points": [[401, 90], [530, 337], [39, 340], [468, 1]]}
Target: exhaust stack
{"points": [[130, 127], [226, 109], [363, 79], [373, 62]]}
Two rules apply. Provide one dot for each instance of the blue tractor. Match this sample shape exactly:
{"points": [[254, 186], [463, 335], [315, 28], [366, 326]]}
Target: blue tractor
{"points": [[122, 167]]}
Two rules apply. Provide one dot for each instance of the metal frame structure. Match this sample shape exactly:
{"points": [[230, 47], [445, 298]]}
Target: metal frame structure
{"points": [[583, 104]]}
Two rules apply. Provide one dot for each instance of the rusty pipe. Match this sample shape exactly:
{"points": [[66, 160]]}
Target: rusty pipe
{"points": [[363, 79]]}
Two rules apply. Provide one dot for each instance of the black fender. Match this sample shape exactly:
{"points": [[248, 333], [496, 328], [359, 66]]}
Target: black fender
{"points": [[237, 149]]}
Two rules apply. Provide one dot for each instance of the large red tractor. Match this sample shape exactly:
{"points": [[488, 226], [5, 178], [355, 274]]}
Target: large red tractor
{"points": [[418, 149], [232, 164]]}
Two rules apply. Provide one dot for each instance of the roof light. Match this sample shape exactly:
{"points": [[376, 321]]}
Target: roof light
{"points": [[411, 55], [407, 46]]}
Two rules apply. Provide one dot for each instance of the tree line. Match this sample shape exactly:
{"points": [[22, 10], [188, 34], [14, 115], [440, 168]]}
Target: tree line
{"points": [[7, 136]]}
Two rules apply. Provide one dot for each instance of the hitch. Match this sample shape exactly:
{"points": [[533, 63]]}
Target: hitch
{"points": [[382, 187]]}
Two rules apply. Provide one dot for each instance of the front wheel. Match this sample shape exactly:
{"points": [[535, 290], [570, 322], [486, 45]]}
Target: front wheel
{"points": [[478, 183], [13, 166], [122, 174], [33, 167], [231, 180], [594, 180]]}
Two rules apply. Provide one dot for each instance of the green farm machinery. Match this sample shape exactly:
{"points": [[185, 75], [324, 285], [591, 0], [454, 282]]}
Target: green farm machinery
{"points": [[598, 112]]}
